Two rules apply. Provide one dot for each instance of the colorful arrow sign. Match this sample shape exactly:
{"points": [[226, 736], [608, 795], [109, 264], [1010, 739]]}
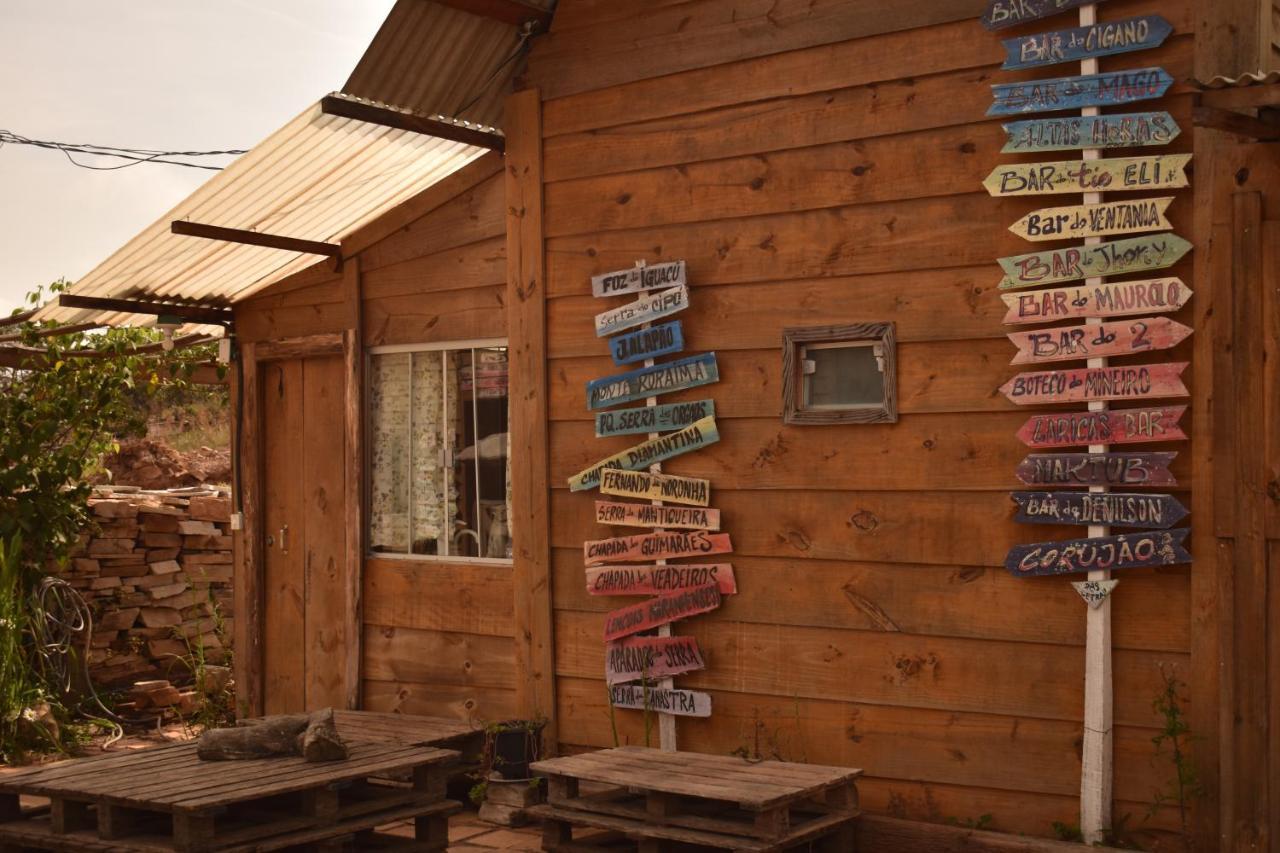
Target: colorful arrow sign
{"points": [[646, 382], [1158, 171], [1002, 14], [1099, 553], [1108, 299], [639, 278], [659, 580], [1097, 469], [1084, 384], [1114, 426], [1135, 254], [648, 515], [650, 658], [661, 611], [1116, 509], [1073, 93], [681, 703], [644, 310], [655, 546], [691, 438], [1094, 220], [1106, 38], [663, 339], [655, 487], [1119, 337], [646, 419], [1128, 130]]}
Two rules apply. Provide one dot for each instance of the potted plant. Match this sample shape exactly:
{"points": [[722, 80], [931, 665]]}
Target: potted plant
{"points": [[512, 745]]}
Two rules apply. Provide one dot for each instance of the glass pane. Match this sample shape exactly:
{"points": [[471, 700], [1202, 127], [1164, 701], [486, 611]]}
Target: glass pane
{"points": [[843, 377], [480, 464], [389, 453], [432, 481]]}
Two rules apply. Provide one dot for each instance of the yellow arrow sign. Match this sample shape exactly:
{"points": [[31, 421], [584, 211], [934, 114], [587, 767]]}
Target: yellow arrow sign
{"points": [[1094, 220], [1162, 171]]}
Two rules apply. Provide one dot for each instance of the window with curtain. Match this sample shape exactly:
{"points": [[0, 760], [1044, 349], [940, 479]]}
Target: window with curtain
{"points": [[439, 472]]}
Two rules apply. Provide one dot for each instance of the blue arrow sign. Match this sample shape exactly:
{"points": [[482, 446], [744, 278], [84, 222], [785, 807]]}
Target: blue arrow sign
{"points": [[1104, 39], [1073, 93], [650, 381], [1130, 130], [1002, 14], [636, 346]]}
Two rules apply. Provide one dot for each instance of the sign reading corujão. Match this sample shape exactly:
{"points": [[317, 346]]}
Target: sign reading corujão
{"points": [[1135, 254], [1073, 93], [663, 339], [1001, 14], [682, 703], [639, 278], [1159, 171], [660, 611], [1083, 384], [1097, 469], [656, 580], [646, 419], [1114, 508], [651, 658], [655, 546], [1107, 299], [1116, 426], [1120, 337], [1099, 553], [655, 487], [694, 437], [648, 515], [1094, 220], [1101, 39], [650, 381], [1131, 130]]}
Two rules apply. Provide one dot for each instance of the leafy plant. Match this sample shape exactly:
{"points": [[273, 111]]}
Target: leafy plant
{"points": [[1067, 831], [217, 706], [983, 821], [1173, 743]]}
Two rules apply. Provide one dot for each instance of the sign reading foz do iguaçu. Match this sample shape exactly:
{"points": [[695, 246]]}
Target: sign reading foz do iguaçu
{"points": [[650, 381], [646, 309], [694, 437], [648, 515], [1118, 337], [655, 487], [1084, 384], [1068, 133], [663, 339], [651, 658], [1158, 171], [1073, 93], [1099, 553], [1116, 509], [646, 419], [1116, 426], [1106, 299], [655, 546], [1105, 38], [660, 611], [1119, 257], [639, 278], [658, 580], [1097, 469], [1094, 220], [682, 703], [1001, 14]]}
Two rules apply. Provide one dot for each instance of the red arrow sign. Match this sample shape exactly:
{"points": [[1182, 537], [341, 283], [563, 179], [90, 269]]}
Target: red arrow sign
{"points": [[1117, 426], [661, 610], [1121, 337], [1108, 299], [1130, 382]]}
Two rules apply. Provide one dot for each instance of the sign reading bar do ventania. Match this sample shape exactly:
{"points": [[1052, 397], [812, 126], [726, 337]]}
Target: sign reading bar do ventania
{"points": [[1073, 93], [655, 546], [1002, 14], [632, 347], [651, 658], [1106, 38], [1116, 426], [1121, 337], [1119, 257], [648, 515], [1087, 384], [646, 419], [694, 437], [655, 487], [646, 382], [681, 703], [1106, 299], [1097, 469], [660, 611], [1094, 220], [1157, 172], [1114, 508], [657, 580], [1068, 133], [639, 278], [644, 310], [1099, 553]]}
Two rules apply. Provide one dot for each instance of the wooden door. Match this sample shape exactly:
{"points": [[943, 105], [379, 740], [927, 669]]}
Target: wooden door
{"points": [[304, 537]]}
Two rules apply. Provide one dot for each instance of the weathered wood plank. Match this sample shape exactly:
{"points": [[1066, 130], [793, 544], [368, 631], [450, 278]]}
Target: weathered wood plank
{"points": [[650, 658], [1116, 426], [639, 278], [642, 344], [1085, 90], [1106, 299], [405, 593], [1130, 382], [1130, 130], [1116, 509], [648, 515], [647, 419], [1118, 174], [1119, 257], [399, 654], [1094, 220], [655, 546], [1099, 553], [701, 434], [662, 378], [474, 215], [684, 703], [1097, 469], [657, 487], [440, 700], [656, 580], [1104, 38], [1118, 338], [449, 315], [475, 265]]}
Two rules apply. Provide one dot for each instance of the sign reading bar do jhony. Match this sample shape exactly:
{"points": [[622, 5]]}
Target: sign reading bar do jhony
{"points": [[1068, 133], [1119, 257], [1105, 38], [1099, 553], [1116, 509], [1073, 93]]}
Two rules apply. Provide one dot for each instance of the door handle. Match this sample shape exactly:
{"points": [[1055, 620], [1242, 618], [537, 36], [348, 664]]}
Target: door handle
{"points": [[284, 539]]}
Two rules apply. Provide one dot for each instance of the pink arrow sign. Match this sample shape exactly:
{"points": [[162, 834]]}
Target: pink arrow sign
{"points": [[1117, 426], [1122, 337], [660, 611], [1082, 384], [1108, 299], [651, 658]]}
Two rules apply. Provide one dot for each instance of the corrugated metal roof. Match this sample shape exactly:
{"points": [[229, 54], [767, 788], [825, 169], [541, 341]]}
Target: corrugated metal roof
{"points": [[1254, 78]]}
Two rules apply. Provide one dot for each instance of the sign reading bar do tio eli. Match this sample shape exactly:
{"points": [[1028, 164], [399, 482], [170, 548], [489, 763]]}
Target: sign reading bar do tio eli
{"points": [[1099, 553], [1002, 14], [650, 381], [682, 703], [1114, 508], [1158, 171], [657, 580], [1135, 254], [1106, 299], [1094, 220], [1073, 93], [639, 278], [648, 515], [655, 546], [1068, 133], [1085, 384], [646, 419], [651, 658], [1120, 337], [663, 339], [1114, 426], [1105, 38], [661, 611], [694, 437], [664, 303], [1097, 469]]}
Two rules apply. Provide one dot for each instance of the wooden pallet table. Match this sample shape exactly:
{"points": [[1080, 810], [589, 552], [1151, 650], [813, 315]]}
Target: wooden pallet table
{"points": [[167, 799], [667, 800]]}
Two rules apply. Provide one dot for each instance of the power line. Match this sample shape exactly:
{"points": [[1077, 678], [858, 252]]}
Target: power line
{"points": [[135, 156]]}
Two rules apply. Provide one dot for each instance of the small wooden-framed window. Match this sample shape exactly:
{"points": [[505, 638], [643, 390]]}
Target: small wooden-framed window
{"points": [[839, 374]]}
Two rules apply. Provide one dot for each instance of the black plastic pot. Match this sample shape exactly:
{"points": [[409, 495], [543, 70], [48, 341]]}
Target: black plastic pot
{"points": [[516, 745]]}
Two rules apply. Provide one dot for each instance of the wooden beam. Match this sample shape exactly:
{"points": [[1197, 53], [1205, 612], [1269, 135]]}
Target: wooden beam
{"points": [[254, 238], [1241, 98], [877, 832], [353, 455], [1232, 38], [191, 313], [1239, 124], [74, 328], [306, 346], [507, 11], [336, 105], [20, 317], [249, 572]]}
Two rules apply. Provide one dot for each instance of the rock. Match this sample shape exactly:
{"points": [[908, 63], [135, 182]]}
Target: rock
{"points": [[198, 528], [167, 590], [214, 679], [161, 540], [104, 546], [114, 509], [164, 567], [116, 620], [211, 508]]}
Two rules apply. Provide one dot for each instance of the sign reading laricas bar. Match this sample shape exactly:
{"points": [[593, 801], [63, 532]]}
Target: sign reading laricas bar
{"points": [[1069, 133], [655, 546], [1106, 299], [1099, 553], [664, 303], [1120, 337], [1094, 220], [682, 703], [1084, 384], [1073, 93], [651, 658], [645, 382], [1115, 426], [656, 580], [648, 515], [646, 419], [1135, 254], [639, 278], [1116, 509], [1105, 38], [1002, 14], [1158, 171], [643, 455], [660, 611], [1097, 469]]}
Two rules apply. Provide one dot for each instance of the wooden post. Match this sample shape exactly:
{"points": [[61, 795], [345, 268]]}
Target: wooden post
{"points": [[248, 591], [353, 455], [527, 351]]}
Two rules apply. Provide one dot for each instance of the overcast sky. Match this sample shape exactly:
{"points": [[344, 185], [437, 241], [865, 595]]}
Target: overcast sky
{"points": [[157, 74]]}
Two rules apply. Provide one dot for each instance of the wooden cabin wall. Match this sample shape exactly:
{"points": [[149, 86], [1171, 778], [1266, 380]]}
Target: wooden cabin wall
{"points": [[821, 163], [437, 636]]}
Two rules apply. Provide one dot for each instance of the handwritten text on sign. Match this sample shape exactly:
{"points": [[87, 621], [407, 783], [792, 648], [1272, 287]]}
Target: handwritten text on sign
{"points": [[1106, 38], [646, 419], [651, 658], [1068, 133], [1073, 93], [694, 437], [1094, 220], [1094, 592], [648, 515], [1106, 299], [1135, 254], [655, 546], [656, 580], [1117, 426], [650, 381], [1114, 508], [1099, 553], [1119, 337], [655, 487], [632, 347], [682, 703], [638, 278], [1097, 469], [660, 611], [644, 310], [1085, 384], [1001, 14], [1159, 171]]}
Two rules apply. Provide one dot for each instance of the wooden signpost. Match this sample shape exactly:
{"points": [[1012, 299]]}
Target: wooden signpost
{"points": [[1084, 384], [1066, 133], [1120, 337], [1085, 90], [1119, 257], [646, 309], [659, 579], [683, 703], [1094, 220], [663, 339], [1001, 14], [1097, 469], [651, 658], [1101, 39], [655, 546], [1112, 426], [1155, 172], [1099, 553], [661, 610], [648, 515], [655, 487], [1094, 592], [1117, 509], [646, 419], [645, 382], [639, 278], [691, 438], [1107, 299]]}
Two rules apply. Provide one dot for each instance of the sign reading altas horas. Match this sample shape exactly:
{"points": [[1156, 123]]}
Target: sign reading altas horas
{"points": [[1070, 133]]}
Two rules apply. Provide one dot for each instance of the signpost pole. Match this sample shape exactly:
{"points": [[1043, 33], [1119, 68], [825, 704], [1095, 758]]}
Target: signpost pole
{"points": [[1096, 757]]}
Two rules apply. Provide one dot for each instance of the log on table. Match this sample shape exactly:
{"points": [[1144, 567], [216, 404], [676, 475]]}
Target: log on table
{"points": [[314, 737]]}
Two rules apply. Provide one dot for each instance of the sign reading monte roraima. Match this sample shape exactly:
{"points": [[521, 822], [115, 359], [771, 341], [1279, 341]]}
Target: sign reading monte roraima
{"points": [[1142, 424], [1099, 553], [691, 438], [1002, 14], [1119, 257], [657, 580], [1086, 384], [639, 278], [651, 658], [1157, 171], [1069, 133], [1094, 220], [1073, 93], [1117, 509], [682, 703], [655, 546], [1119, 337], [1105, 38], [645, 382], [646, 419], [1097, 469], [663, 339], [1105, 299], [648, 515], [661, 611], [655, 487]]}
